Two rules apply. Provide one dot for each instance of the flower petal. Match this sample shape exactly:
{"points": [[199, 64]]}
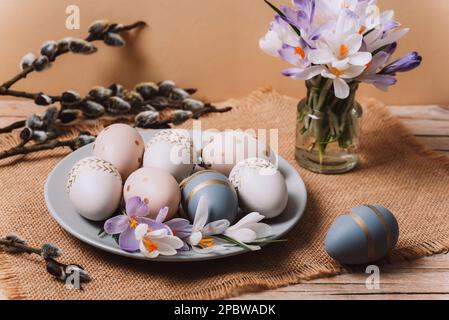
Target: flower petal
{"points": [[322, 56], [271, 44], [116, 225], [303, 74], [195, 238], [162, 215], [201, 215], [135, 207], [141, 231], [262, 230], [243, 235], [216, 227], [341, 88], [173, 242], [360, 58], [249, 219], [128, 241]]}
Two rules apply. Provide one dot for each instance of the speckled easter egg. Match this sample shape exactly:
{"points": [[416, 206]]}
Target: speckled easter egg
{"points": [[364, 235], [156, 187], [122, 146], [95, 188], [228, 148], [260, 186], [172, 151], [222, 198]]}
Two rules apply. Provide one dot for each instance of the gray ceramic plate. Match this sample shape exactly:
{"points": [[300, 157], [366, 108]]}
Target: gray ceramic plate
{"points": [[62, 210]]}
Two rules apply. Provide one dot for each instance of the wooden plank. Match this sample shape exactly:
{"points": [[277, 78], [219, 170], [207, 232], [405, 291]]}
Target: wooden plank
{"points": [[435, 143], [419, 127], [421, 112]]}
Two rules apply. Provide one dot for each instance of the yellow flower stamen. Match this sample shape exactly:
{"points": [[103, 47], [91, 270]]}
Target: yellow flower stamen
{"points": [[133, 223], [343, 50], [150, 245], [336, 71], [362, 30], [368, 65], [300, 52], [207, 242]]}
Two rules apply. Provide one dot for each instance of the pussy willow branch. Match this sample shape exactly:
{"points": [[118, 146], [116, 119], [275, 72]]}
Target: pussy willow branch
{"points": [[76, 143], [22, 247], [90, 38]]}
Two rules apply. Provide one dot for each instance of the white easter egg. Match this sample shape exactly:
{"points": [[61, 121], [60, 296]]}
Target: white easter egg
{"points": [[261, 187], [121, 145], [171, 151], [229, 148], [95, 188]]}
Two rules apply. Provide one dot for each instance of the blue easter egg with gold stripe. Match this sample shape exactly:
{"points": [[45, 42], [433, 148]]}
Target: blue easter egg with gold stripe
{"points": [[365, 235], [216, 187]]}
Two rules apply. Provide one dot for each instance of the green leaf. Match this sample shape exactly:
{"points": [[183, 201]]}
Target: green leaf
{"points": [[267, 242], [280, 13], [379, 50], [233, 241], [101, 233]]}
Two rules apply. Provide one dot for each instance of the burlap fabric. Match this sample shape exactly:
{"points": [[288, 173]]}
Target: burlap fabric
{"points": [[395, 171]]}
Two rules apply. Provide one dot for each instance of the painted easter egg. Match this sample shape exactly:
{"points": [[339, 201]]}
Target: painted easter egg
{"points": [[122, 146], [260, 186], [172, 151], [95, 188], [228, 148], [364, 235], [222, 198], [156, 187]]}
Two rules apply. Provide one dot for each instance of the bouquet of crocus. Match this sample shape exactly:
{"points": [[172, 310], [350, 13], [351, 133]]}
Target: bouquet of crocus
{"points": [[334, 45]]}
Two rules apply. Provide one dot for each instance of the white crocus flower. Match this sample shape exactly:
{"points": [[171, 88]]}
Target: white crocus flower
{"points": [[280, 33], [201, 238], [158, 242], [339, 78], [340, 47], [378, 38], [249, 229]]}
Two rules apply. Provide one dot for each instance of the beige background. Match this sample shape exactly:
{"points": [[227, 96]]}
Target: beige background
{"points": [[210, 44]]}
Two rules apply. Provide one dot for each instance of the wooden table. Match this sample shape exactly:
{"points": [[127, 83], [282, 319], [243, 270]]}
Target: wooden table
{"points": [[421, 279]]}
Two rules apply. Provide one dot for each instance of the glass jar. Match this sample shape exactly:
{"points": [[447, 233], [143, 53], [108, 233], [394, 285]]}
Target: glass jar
{"points": [[328, 129]]}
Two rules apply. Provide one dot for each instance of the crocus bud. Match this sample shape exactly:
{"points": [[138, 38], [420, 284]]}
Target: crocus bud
{"points": [[49, 49], [114, 40], [117, 105], [40, 136], [70, 97], [41, 63], [165, 87], [178, 94], [92, 109], [147, 119], [43, 100], [117, 90], [68, 115], [147, 90], [180, 116], [79, 46], [50, 251], [27, 61], [100, 94], [34, 122], [98, 27]]}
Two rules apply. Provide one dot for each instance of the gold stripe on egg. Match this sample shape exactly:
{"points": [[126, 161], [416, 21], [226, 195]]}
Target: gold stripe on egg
{"points": [[384, 224], [190, 178], [201, 186], [365, 230]]}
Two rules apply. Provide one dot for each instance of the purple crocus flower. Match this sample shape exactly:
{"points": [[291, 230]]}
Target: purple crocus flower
{"points": [[182, 229], [406, 63], [125, 225]]}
